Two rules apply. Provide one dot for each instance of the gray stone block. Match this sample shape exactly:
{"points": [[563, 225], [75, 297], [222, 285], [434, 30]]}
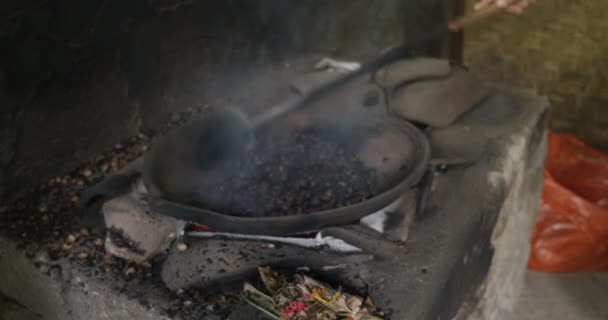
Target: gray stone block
{"points": [[410, 70], [438, 102], [149, 233]]}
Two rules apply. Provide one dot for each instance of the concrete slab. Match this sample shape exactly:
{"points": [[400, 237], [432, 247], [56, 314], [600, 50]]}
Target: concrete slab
{"points": [[563, 297], [11, 310]]}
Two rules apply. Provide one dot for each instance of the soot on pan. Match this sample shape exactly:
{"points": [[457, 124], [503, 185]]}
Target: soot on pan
{"points": [[298, 173]]}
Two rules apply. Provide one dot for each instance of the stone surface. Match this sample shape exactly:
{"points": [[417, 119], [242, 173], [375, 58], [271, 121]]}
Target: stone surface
{"points": [[213, 262], [148, 233], [404, 71], [439, 102], [563, 297], [510, 239], [10, 310], [59, 291], [463, 141]]}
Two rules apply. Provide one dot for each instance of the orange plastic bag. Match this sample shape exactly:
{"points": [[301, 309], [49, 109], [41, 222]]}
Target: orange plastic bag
{"points": [[571, 232], [578, 167]]}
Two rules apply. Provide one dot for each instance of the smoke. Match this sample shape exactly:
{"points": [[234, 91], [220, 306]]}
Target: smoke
{"points": [[248, 53]]}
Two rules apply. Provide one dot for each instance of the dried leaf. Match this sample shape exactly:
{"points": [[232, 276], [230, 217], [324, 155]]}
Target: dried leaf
{"points": [[260, 301], [326, 315], [368, 317], [369, 303], [305, 298], [270, 279], [354, 303]]}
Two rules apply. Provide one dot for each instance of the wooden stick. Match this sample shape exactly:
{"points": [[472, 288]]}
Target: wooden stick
{"points": [[467, 20]]}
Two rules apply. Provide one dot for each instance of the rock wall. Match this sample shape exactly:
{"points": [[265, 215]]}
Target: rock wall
{"points": [[78, 76]]}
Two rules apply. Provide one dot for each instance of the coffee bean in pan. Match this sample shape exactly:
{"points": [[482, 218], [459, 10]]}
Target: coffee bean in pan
{"points": [[299, 173]]}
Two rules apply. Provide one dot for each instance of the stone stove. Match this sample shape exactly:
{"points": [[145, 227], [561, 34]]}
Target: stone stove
{"points": [[444, 245]]}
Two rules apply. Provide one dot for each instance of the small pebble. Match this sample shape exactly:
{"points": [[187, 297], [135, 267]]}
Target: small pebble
{"points": [[104, 167], [270, 245], [98, 242], [400, 244], [45, 217], [84, 232], [31, 249], [74, 199], [181, 247], [130, 271], [82, 255], [66, 247], [87, 172], [187, 303], [41, 257], [43, 208], [175, 117], [70, 239]]}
